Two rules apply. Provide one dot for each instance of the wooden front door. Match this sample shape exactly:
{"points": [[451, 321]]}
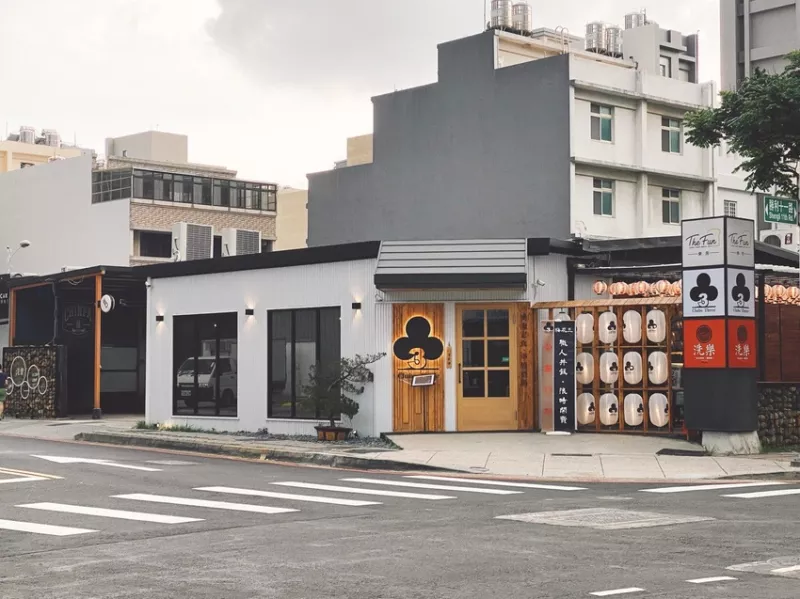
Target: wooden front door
{"points": [[487, 368]]}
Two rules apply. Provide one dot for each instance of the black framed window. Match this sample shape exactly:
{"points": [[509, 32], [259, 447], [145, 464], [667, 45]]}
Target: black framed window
{"points": [[109, 185], [298, 339], [205, 365], [155, 244]]}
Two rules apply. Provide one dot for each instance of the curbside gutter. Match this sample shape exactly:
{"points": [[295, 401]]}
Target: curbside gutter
{"points": [[333, 460]]}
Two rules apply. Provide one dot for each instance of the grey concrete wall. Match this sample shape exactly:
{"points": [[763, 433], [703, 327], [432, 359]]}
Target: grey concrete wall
{"points": [[483, 153], [151, 145]]}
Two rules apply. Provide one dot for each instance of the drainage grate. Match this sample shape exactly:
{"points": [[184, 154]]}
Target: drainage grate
{"points": [[603, 518], [689, 453], [572, 455]]}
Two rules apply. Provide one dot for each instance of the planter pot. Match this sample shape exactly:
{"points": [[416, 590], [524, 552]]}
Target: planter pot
{"points": [[332, 433]]}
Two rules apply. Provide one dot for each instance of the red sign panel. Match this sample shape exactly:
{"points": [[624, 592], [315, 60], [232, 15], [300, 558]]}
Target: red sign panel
{"points": [[741, 343], [704, 343]]}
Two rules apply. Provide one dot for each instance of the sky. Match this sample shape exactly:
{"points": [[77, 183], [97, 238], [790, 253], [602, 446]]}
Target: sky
{"points": [[271, 88]]}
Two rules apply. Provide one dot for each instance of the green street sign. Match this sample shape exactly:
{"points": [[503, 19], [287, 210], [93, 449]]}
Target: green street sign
{"points": [[780, 210]]}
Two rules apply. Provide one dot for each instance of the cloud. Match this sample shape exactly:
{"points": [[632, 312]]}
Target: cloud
{"points": [[358, 44]]}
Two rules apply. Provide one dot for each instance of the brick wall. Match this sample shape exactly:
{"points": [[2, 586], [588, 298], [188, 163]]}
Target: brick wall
{"points": [[151, 217]]}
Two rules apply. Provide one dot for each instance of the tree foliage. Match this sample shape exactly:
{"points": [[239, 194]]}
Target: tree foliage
{"points": [[761, 123], [329, 390]]}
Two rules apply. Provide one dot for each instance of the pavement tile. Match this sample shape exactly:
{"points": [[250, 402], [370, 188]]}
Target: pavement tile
{"points": [[679, 467], [572, 466], [638, 466]]}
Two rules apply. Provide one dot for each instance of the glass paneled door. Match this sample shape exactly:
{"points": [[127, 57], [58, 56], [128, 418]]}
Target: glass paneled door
{"points": [[487, 394]]}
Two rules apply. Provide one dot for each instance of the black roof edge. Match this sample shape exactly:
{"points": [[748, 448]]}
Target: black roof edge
{"points": [[387, 282], [543, 246], [363, 250], [126, 271]]}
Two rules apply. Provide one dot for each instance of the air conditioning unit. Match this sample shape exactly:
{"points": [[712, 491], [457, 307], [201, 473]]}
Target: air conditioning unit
{"points": [[780, 238], [238, 242], [192, 242]]}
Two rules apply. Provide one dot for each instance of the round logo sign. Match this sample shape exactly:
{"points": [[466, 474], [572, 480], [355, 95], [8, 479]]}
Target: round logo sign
{"points": [[107, 303]]}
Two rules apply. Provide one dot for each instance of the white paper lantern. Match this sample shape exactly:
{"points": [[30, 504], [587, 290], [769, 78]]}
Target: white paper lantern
{"points": [[659, 414], [607, 328], [609, 367], [609, 409], [634, 409], [585, 408], [632, 326], [657, 365], [584, 368], [584, 328], [656, 326], [632, 367]]}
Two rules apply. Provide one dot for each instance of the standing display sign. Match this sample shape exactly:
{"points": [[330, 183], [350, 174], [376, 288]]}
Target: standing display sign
{"points": [[564, 376], [719, 323]]}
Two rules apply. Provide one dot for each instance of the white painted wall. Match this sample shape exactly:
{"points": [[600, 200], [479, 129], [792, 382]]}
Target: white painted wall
{"points": [[691, 161], [339, 284], [50, 206], [624, 221], [622, 148]]}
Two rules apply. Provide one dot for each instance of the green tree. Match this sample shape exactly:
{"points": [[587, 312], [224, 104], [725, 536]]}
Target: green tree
{"points": [[760, 121]]}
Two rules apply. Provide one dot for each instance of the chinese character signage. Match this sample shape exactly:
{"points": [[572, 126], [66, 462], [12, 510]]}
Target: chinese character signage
{"points": [[564, 376], [704, 343], [741, 343], [780, 210], [740, 249]]}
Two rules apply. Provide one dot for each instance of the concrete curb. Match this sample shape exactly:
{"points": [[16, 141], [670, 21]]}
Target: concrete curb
{"points": [[332, 460], [795, 463]]}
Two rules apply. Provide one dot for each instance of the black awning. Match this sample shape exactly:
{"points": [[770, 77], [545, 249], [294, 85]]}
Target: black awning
{"points": [[387, 282]]}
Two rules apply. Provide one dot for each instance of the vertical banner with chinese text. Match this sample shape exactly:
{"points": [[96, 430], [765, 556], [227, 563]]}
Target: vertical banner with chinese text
{"points": [[564, 376]]}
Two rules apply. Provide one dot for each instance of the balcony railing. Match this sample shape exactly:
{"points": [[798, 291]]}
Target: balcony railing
{"points": [[120, 184]]}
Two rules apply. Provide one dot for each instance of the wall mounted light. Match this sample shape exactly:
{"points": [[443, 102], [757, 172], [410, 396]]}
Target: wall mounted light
{"points": [[356, 305], [249, 312], [160, 318]]}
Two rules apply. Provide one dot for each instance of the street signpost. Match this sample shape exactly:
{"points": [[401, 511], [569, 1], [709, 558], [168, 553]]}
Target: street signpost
{"points": [[780, 210]]}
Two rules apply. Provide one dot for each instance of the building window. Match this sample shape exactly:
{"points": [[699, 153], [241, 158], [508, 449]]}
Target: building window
{"points": [[108, 185], [155, 244], [603, 197], [671, 206], [299, 339], [684, 74], [665, 66], [205, 365], [671, 133], [602, 122], [730, 208]]}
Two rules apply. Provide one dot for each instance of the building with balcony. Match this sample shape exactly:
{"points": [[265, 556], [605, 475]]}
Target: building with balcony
{"points": [[127, 210], [525, 136]]}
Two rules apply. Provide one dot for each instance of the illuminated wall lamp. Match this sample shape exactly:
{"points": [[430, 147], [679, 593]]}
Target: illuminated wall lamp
{"points": [[249, 312], [160, 318], [356, 305]]}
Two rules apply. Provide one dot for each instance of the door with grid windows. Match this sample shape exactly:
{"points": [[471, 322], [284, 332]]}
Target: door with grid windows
{"points": [[487, 368]]}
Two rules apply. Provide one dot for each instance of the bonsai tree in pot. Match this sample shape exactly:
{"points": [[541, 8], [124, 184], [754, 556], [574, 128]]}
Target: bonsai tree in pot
{"points": [[329, 392]]}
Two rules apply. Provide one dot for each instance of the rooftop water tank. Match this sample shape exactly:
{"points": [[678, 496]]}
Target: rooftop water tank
{"points": [[614, 40], [502, 14], [635, 19], [27, 135], [523, 17], [596, 36]]}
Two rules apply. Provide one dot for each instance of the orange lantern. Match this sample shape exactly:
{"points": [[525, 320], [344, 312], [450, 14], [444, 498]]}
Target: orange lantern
{"points": [[794, 294], [661, 287], [767, 292], [599, 287], [641, 288], [779, 293], [675, 289], [617, 288]]}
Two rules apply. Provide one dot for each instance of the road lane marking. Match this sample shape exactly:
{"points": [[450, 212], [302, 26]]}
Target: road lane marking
{"points": [[218, 505], [762, 494], [289, 496], [15, 472], [786, 570], [42, 529], [24, 479], [357, 491], [106, 513], [498, 483], [708, 487], [712, 579], [617, 592], [399, 483], [67, 460]]}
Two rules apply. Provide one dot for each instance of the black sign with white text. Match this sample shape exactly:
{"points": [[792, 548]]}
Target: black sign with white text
{"points": [[564, 376]]}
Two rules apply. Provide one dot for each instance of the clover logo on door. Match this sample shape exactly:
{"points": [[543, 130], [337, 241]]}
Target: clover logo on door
{"points": [[418, 347]]}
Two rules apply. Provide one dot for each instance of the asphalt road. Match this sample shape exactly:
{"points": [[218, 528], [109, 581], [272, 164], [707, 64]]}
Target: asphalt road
{"points": [[160, 538]]}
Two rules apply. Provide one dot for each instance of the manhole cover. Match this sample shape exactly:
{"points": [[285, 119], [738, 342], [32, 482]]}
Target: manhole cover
{"points": [[602, 518]]}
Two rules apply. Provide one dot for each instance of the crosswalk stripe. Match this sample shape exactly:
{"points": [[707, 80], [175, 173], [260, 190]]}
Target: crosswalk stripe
{"points": [[106, 513], [711, 579], [399, 483], [289, 496], [22, 479], [499, 483], [761, 494], [613, 592], [218, 505], [715, 487], [357, 491], [785, 570], [42, 529]]}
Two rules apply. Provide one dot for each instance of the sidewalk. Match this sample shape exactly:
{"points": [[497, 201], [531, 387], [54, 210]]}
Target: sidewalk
{"points": [[584, 457]]}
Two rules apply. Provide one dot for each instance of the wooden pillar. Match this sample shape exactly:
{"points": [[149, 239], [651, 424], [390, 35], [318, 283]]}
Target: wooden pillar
{"points": [[98, 293]]}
